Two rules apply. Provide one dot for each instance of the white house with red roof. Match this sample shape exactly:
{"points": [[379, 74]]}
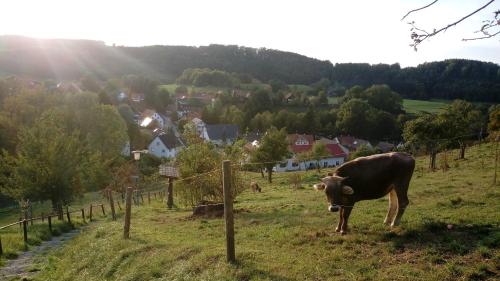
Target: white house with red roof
{"points": [[301, 143]]}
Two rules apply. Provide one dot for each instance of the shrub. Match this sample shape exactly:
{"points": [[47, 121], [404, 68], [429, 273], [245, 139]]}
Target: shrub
{"points": [[200, 165], [295, 179]]}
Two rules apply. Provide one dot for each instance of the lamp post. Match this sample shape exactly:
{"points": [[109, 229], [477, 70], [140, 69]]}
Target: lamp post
{"points": [[137, 157]]}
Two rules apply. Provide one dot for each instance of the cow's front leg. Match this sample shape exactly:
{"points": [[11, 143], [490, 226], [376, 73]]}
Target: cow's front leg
{"points": [[346, 214], [341, 219]]}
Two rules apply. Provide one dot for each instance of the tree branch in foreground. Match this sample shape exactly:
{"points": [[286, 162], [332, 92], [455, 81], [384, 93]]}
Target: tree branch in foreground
{"points": [[418, 35]]}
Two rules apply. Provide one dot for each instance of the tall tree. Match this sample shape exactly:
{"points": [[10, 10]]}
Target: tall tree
{"points": [[427, 131], [48, 164], [465, 121], [272, 150]]}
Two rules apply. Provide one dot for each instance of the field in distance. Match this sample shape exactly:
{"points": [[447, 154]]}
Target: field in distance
{"points": [[450, 231]]}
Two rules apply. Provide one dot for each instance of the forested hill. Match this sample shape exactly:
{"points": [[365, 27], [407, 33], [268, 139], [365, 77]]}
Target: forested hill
{"points": [[449, 79], [71, 59]]}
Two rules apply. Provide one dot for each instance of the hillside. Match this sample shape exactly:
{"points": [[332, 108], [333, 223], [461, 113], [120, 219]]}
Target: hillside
{"points": [[70, 59], [62, 59], [450, 231]]}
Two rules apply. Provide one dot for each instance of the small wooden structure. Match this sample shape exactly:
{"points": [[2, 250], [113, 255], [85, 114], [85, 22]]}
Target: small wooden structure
{"points": [[171, 173]]}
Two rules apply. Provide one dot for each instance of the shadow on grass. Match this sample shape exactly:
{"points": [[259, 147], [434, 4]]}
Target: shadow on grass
{"points": [[250, 271], [443, 238]]}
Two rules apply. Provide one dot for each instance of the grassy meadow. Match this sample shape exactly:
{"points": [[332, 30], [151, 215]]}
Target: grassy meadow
{"points": [[430, 106], [450, 231]]}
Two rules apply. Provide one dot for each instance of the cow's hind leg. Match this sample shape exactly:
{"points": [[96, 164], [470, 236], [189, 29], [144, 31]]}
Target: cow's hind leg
{"points": [[401, 192], [393, 206]]}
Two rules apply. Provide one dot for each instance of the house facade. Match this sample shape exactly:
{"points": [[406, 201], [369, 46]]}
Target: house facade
{"points": [[303, 143], [165, 146], [148, 116]]}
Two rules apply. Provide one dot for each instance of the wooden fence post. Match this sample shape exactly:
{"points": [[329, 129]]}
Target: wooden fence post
{"points": [[142, 197], [42, 217], [128, 207], [112, 205], [102, 208], [49, 220], [90, 213], [25, 232], [496, 162], [155, 195], [149, 197], [228, 211], [119, 206], [170, 193], [1, 249], [83, 215], [68, 215]]}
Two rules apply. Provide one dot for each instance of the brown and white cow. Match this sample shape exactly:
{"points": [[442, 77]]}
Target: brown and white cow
{"points": [[366, 178]]}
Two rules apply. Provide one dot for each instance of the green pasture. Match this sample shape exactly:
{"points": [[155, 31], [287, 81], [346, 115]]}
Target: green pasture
{"points": [[450, 231]]}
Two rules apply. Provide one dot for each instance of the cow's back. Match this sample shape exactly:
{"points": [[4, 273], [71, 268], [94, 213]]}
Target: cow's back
{"points": [[373, 176]]}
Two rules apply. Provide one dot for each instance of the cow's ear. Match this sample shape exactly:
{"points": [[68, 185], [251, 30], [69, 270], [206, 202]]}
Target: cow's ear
{"points": [[319, 186], [347, 190]]}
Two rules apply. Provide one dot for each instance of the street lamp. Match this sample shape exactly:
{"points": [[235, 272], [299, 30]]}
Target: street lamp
{"points": [[137, 157]]}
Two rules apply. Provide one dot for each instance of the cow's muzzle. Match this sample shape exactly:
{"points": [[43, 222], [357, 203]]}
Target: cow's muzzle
{"points": [[333, 208]]}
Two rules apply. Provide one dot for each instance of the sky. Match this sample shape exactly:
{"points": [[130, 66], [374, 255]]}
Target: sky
{"points": [[336, 30]]}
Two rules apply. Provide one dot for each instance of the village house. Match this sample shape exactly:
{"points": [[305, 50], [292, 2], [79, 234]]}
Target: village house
{"points": [[301, 143], [221, 134], [149, 115], [137, 97], [352, 143], [166, 145], [385, 146]]}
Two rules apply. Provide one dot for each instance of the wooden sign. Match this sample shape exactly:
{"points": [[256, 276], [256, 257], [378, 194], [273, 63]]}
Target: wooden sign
{"points": [[168, 171]]}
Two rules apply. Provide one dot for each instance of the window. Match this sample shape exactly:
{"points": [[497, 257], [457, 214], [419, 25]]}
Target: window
{"points": [[337, 163], [325, 164], [163, 151], [157, 143], [301, 142], [283, 165], [295, 164]]}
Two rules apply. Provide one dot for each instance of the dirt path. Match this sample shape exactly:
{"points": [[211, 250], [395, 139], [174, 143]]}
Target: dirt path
{"points": [[23, 266]]}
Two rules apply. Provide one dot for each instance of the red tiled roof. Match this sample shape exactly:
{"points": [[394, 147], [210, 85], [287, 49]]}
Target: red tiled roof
{"points": [[335, 150], [300, 148]]}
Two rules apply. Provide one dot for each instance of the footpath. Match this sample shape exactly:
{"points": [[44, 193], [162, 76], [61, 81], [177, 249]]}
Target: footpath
{"points": [[24, 265]]}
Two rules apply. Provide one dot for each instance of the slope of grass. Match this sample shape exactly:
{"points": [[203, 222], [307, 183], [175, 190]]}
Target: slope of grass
{"points": [[450, 231], [430, 106]]}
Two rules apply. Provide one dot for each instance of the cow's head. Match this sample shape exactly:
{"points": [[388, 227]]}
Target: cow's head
{"points": [[335, 190]]}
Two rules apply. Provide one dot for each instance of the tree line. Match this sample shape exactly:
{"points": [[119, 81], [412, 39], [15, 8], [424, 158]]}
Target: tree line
{"points": [[72, 59]]}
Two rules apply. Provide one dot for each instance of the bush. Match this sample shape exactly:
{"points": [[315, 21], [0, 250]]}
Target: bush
{"points": [[200, 165], [295, 179], [363, 150]]}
